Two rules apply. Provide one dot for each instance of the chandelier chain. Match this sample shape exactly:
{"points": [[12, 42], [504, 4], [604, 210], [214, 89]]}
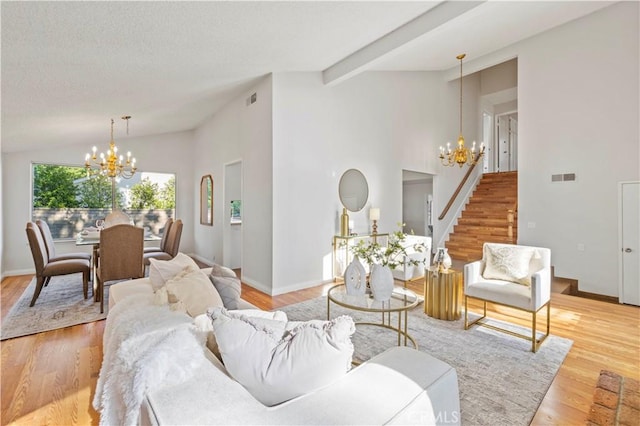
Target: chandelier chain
{"points": [[461, 57], [460, 154]]}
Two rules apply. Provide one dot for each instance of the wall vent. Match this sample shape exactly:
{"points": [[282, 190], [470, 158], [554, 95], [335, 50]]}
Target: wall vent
{"points": [[565, 177], [252, 99]]}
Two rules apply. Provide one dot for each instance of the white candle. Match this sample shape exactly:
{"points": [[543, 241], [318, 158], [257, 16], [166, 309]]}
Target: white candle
{"points": [[374, 213]]}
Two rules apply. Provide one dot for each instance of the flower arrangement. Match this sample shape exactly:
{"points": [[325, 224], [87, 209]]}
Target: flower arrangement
{"points": [[392, 254]]}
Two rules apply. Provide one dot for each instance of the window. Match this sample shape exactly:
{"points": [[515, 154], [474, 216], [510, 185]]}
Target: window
{"points": [[236, 212], [68, 200]]}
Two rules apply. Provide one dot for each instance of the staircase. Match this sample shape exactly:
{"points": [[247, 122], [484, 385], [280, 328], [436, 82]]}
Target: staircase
{"points": [[484, 218]]}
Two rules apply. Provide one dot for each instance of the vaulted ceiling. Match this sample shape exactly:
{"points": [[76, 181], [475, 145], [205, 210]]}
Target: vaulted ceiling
{"points": [[69, 67]]}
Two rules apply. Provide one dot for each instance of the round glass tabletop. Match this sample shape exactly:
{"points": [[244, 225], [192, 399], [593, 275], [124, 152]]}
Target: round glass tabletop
{"points": [[402, 299]]}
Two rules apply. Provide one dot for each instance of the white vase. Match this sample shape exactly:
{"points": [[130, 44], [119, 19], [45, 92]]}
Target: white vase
{"points": [[381, 282], [446, 261], [442, 260], [355, 277]]}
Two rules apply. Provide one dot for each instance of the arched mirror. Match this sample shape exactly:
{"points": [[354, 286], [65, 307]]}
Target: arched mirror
{"points": [[353, 190], [206, 200]]}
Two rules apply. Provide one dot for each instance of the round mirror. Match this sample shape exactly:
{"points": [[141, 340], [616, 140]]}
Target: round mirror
{"points": [[353, 190]]}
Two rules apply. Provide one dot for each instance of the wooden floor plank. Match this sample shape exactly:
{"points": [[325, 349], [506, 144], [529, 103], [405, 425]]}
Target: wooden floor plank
{"points": [[50, 378]]}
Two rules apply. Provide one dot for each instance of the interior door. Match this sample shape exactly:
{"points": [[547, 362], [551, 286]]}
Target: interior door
{"points": [[507, 143], [513, 143], [630, 239], [503, 143]]}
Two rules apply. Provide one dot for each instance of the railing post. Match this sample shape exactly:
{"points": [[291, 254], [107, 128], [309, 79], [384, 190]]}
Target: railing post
{"points": [[510, 225]]}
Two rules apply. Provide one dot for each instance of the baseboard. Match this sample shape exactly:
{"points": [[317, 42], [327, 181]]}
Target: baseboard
{"points": [[201, 259], [600, 297], [18, 272]]}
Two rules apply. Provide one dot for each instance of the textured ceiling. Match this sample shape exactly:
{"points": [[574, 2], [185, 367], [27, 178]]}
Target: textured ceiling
{"points": [[68, 67]]}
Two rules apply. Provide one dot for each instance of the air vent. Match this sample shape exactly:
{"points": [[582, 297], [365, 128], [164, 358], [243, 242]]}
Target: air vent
{"points": [[566, 177], [252, 99]]}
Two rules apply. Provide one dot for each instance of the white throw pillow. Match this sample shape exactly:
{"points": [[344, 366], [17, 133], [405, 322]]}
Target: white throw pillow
{"points": [[204, 323], [162, 270], [508, 263], [276, 363], [194, 290]]}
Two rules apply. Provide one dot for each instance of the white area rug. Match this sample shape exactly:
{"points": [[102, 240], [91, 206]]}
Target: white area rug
{"points": [[60, 304], [501, 381]]}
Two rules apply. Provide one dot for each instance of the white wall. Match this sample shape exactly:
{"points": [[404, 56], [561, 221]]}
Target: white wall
{"points": [[1, 216], [169, 153], [240, 132], [377, 122], [414, 201], [578, 96], [232, 233]]}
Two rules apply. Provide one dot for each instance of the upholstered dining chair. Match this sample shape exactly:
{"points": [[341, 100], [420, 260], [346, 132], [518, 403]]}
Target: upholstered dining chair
{"points": [[172, 244], [121, 248], [46, 269], [51, 248], [163, 241], [511, 275]]}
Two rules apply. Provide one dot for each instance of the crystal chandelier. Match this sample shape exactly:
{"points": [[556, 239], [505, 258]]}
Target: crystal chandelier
{"points": [[461, 154], [111, 165]]}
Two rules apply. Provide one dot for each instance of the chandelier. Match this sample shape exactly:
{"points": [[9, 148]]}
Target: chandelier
{"points": [[461, 154], [111, 165]]}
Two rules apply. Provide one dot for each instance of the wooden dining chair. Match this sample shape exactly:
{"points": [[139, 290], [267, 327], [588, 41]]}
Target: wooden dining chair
{"points": [[163, 241], [172, 244], [46, 269], [121, 249]]}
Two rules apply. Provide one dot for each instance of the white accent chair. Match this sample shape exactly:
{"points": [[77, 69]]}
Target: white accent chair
{"points": [[511, 275], [407, 271]]}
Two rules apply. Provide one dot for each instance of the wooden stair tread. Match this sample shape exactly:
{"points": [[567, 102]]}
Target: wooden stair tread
{"points": [[484, 218]]}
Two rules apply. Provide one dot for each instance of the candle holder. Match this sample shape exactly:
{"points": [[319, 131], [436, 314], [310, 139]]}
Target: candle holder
{"points": [[374, 215]]}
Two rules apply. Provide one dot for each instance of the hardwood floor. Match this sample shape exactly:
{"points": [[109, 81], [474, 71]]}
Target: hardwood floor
{"points": [[49, 378]]}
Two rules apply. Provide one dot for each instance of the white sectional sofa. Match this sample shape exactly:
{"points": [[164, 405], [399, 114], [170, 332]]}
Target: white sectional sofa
{"points": [[399, 386]]}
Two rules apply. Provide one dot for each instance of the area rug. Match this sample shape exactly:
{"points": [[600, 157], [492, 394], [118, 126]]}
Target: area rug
{"points": [[616, 401], [60, 304], [501, 381]]}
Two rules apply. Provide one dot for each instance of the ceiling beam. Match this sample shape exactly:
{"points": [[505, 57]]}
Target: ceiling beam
{"points": [[360, 60]]}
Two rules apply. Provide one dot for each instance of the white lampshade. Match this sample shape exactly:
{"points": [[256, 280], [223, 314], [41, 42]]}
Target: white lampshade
{"points": [[374, 213]]}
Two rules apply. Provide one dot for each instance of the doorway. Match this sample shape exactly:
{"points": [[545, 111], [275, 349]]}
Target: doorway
{"points": [[506, 142], [417, 202], [232, 208], [629, 236]]}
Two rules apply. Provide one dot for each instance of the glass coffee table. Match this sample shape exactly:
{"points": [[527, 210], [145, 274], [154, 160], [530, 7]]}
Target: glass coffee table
{"points": [[401, 302]]}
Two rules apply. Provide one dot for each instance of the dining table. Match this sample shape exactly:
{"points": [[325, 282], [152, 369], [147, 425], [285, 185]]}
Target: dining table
{"points": [[93, 239]]}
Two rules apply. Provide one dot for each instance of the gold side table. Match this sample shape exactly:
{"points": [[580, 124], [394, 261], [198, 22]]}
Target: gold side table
{"points": [[443, 294]]}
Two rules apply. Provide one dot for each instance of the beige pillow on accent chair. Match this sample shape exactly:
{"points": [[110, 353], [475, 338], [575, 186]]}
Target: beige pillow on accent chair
{"points": [[508, 263]]}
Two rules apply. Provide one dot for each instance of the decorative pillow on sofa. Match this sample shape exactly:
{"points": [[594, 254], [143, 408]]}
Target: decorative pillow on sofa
{"points": [[162, 270], [204, 323], [278, 363], [508, 263], [194, 290], [229, 289], [222, 271]]}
